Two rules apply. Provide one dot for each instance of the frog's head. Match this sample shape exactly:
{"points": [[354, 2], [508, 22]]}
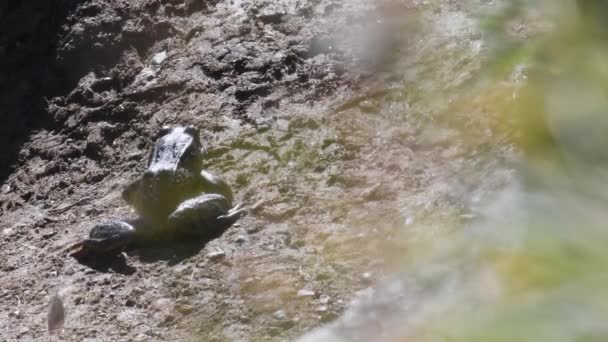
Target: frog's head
{"points": [[176, 148]]}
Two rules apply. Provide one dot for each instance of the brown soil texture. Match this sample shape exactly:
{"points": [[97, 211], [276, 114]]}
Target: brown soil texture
{"points": [[275, 88]]}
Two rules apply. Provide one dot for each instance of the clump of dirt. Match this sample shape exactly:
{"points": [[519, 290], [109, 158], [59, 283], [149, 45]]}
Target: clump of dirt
{"points": [[261, 80]]}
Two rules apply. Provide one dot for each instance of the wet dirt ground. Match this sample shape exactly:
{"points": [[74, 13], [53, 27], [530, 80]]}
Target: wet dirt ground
{"points": [[334, 122]]}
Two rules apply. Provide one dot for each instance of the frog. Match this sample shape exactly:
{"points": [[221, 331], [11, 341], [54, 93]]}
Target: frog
{"points": [[175, 196]]}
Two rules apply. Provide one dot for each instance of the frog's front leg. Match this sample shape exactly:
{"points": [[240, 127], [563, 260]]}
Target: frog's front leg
{"points": [[215, 185], [106, 238], [204, 215]]}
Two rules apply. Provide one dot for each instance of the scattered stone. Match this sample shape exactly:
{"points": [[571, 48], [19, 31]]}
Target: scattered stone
{"points": [[298, 243], [282, 320], [409, 221], [159, 58], [162, 305], [135, 155], [146, 77], [254, 228], [240, 239], [279, 315], [47, 233], [216, 255], [306, 293], [181, 270], [152, 333], [184, 309], [23, 331], [95, 300], [324, 300], [467, 217], [169, 319], [367, 277], [322, 308]]}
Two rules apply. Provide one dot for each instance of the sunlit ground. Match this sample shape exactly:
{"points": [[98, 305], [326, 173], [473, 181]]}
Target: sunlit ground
{"points": [[521, 254]]}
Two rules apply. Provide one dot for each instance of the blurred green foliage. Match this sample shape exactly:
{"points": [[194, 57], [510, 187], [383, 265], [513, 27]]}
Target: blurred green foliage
{"points": [[551, 284]]}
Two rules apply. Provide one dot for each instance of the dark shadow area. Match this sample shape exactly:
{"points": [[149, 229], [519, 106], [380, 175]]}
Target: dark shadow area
{"points": [[43, 56], [105, 263], [172, 250], [29, 31], [164, 247]]}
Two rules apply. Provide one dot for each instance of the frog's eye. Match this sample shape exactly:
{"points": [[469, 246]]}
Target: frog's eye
{"points": [[193, 131], [163, 131]]}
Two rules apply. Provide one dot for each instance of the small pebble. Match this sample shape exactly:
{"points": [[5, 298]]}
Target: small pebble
{"points": [[241, 239], [322, 308], [23, 331], [280, 315], [216, 255], [159, 57], [47, 233], [324, 300], [306, 293], [184, 309], [169, 319], [162, 304], [367, 277], [467, 216]]}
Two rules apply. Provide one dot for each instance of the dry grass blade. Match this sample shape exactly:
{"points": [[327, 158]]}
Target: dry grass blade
{"points": [[56, 314]]}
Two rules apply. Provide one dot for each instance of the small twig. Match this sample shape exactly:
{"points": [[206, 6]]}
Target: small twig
{"points": [[192, 276], [69, 206], [317, 197], [372, 154]]}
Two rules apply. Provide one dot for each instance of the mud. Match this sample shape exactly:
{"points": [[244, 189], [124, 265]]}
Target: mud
{"points": [[336, 156]]}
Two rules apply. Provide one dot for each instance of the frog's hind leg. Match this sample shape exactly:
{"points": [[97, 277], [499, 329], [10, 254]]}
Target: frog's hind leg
{"points": [[205, 215], [109, 237]]}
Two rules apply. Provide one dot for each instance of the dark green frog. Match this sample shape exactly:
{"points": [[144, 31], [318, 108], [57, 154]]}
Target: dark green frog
{"points": [[174, 196]]}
